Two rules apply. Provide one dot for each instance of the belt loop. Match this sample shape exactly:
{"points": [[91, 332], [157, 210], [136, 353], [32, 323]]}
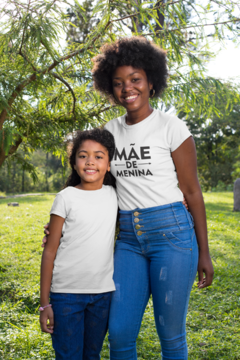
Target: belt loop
{"points": [[175, 216]]}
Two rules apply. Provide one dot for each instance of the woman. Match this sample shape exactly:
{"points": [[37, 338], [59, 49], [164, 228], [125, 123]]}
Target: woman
{"points": [[157, 251]]}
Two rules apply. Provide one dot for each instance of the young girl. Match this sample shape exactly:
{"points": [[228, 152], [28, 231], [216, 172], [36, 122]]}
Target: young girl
{"points": [[77, 262]]}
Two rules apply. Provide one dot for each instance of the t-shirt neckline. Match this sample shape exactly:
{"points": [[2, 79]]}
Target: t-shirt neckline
{"points": [[88, 191], [139, 124]]}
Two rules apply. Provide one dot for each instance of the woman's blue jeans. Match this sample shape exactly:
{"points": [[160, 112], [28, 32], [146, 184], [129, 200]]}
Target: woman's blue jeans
{"points": [[156, 253]]}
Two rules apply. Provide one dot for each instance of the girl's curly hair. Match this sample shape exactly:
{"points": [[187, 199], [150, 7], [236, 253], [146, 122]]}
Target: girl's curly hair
{"points": [[103, 137], [135, 51]]}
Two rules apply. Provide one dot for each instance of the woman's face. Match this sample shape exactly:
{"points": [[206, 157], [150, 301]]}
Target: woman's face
{"points": [[131, 88]]}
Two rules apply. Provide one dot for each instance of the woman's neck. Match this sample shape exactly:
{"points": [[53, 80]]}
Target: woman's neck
{"points": [[135, 117]]}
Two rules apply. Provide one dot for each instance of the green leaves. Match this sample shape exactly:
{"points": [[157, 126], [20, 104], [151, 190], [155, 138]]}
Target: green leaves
{"points": [[46, 87]]}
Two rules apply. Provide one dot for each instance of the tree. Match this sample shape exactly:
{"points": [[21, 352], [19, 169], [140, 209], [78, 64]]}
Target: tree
{"points": [[46, 87], [216, 138]]}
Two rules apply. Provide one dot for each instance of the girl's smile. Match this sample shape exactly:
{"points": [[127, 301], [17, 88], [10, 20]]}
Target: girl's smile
{"points": [[91, 164]]}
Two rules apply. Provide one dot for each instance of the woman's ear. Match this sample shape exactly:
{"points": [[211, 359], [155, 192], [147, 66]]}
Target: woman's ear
{"points": [[109, 167], [74, 166]]}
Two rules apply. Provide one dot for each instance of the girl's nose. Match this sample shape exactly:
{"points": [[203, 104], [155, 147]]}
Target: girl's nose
{"points": [[90, 160]]}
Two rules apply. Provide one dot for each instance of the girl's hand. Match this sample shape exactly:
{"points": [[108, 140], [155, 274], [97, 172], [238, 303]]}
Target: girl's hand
{"points": [[185, 202], [46, 232], [45, 315], [205, 266]]}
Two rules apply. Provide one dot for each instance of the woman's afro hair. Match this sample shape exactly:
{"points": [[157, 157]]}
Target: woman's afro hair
{"points": [[135, 51], [103, 137]]}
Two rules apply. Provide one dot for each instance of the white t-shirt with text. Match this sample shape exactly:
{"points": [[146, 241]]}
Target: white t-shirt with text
{"points": [[84, 259], [142, 165]]}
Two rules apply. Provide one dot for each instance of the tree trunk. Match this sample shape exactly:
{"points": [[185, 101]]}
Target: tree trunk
{"points": [[23, 181], [160, 15], [236, 193], [46, 173], [12, 150], [136, 21]]}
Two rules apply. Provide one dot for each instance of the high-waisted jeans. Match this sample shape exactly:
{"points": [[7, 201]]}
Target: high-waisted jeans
{"points": [[156, 253]]}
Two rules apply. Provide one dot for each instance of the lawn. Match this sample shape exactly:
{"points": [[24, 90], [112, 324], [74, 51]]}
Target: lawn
{"points": [[213, 322]]}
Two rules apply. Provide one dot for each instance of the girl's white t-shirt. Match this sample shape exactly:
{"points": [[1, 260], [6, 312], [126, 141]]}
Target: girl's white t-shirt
{"points": [[142, 165], [84, 259]]}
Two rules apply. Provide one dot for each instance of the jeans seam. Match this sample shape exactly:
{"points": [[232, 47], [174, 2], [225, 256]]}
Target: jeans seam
{"points": [[139, 325], [188, 291], [177, 247]]}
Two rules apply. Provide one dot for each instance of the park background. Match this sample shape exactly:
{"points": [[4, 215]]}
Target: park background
{"points": [[46, 93]]}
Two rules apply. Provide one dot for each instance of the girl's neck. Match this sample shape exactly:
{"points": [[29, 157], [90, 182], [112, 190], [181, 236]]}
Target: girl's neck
{"points": [[89, 186], [135, 117]]}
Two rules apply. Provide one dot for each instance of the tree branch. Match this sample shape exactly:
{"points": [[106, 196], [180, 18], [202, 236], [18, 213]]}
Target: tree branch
{"points": [[69, 87], [193, 26], [33, 77], [155, 8]]}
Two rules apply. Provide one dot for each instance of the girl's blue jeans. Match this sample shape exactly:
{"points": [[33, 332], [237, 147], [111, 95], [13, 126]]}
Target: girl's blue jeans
{"points": [[80, 325], [156, 253]]}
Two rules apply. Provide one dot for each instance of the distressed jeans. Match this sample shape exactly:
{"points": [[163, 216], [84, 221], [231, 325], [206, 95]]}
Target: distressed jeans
{"points": [[156, 253]]}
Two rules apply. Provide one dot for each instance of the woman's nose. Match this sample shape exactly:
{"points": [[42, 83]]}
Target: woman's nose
{"points": [[127, 86]]}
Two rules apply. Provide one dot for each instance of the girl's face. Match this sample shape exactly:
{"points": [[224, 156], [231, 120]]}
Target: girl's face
{"points": [[131, 88], [91, 164]]}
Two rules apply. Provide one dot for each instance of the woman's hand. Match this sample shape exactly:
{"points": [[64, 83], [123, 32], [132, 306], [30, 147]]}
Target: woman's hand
{"points": [[46, 232], [45, 315], [205, 267]]}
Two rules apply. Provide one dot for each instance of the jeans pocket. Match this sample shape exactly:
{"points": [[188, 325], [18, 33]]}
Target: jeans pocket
{"points": [[181, 239]]}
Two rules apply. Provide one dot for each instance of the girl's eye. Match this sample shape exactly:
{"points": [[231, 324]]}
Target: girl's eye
{"points": [[82, 156], [116, 84], [135, 79], [98, 157]]}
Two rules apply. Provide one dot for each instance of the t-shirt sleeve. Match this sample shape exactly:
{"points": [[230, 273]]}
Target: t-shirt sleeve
{"points": [[59, 207], [177, 133]]}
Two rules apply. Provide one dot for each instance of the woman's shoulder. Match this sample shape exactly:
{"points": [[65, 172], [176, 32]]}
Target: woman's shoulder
{"points": [[114, 123]]}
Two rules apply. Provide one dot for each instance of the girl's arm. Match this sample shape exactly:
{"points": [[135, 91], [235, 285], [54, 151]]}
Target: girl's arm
{"points": [[48, 256], [185, 160]]}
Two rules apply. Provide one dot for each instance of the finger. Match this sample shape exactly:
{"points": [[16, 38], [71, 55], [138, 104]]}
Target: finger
{"points": [[46, 232], [46, 226], [44, 240], [51, 322], [209, 279], [200, 277]]}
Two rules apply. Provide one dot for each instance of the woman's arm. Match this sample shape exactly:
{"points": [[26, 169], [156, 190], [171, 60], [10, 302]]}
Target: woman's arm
{"points": [[185, 160], [48, 256]]}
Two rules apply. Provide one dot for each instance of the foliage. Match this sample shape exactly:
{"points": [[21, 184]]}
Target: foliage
{"points": [[50, 173], [213, 325], [46, 88], [216, 137]]}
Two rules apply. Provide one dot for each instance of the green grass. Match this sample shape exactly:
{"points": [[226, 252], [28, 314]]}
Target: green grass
{"points": [[213, 322]]}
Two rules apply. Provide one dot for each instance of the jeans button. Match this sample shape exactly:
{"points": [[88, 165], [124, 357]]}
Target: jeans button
{"points": [[136, 220]]}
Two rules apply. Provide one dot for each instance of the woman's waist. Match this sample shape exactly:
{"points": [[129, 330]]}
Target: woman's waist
{"points": [[169, 217]]}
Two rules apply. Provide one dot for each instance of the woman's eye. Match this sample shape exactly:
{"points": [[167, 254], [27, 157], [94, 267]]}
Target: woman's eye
{"points": [[116, 84], [82, 156], [98, 157], [135, 79]]}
